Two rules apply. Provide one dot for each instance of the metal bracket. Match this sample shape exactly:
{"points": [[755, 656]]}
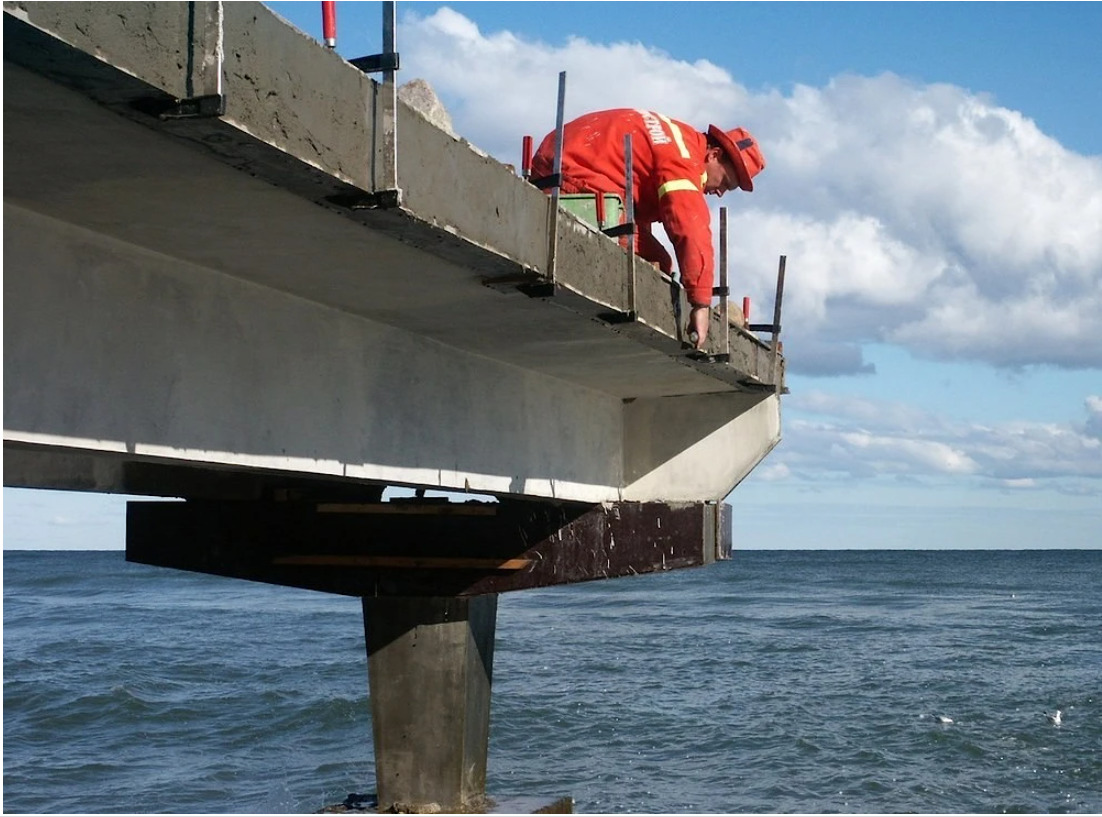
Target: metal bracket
{"points": [[765, 327], [619, 230], [758, 387], [704, 357], [510, 280], [618, 317], [209, 106], [545, 290], [379, 200], [373, 63]]}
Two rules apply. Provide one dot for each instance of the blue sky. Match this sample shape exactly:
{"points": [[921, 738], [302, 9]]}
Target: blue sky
{"points": [[934, 177]]}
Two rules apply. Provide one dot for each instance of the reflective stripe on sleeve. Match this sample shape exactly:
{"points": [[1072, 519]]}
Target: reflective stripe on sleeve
{"points": [[677, 184], [677, 137]]}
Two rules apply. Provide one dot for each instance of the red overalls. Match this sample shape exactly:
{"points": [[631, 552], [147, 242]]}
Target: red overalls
{"points": [[668, 182]]}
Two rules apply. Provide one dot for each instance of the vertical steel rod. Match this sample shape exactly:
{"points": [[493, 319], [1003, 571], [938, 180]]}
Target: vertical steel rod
{"points": [[390, 13], [777, 300], [629, 206], [777, 318], [723, 298], [390, 88], [556, 171]]}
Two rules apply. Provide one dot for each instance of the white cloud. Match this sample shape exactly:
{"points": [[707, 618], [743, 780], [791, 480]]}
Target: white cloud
{"points": [[499, 87], [870, 438], [770, 471], [874, 415], [846, 255], [1094, 418], [920, 215], [903, 454]]}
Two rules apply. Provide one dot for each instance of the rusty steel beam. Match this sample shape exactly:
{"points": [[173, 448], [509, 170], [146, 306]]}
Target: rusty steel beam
{"points": [[424, 547]]}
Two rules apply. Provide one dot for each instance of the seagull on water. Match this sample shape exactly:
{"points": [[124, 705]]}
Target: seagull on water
{"points": [[943, 719], [1055, 718]]}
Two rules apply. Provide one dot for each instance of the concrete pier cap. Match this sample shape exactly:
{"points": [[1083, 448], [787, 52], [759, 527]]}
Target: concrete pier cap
{"points": [[200, 236]]}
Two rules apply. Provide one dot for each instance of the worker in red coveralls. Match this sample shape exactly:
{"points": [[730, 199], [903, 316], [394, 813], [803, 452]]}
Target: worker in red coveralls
{"points": [[674, 166]]}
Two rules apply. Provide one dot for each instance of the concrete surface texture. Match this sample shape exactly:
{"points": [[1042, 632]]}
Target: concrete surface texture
{"points": [[223, 293]]}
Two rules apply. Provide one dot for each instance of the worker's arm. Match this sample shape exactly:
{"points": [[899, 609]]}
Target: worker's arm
{"points": [[679, 185], [687, 220], [652, 250], [688, 223]]}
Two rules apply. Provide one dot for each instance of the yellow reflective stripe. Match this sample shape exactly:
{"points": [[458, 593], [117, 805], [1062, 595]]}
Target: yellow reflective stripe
{"points": [[677, 184], [677, 137]]}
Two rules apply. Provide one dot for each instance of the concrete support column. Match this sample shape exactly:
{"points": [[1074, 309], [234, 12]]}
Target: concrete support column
{"points": [[430, 665]]}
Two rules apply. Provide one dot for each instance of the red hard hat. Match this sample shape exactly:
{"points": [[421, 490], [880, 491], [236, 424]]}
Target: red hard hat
{"points": [[742, 148]]}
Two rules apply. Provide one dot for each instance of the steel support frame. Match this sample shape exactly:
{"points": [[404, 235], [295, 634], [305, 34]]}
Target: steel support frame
{"points": [[423, 547]]}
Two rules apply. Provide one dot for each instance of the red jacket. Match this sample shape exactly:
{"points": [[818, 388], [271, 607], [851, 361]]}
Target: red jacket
{"points": [[668, 183]]}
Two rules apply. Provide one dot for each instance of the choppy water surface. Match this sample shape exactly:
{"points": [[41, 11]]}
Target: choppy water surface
{"points": [[776, 682]]}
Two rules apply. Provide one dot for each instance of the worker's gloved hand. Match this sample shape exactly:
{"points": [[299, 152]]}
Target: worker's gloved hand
{"points": [[699, 318]]}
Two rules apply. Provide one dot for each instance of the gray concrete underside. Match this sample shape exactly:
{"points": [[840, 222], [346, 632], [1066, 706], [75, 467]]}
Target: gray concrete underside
{"points": [[211, 295]]}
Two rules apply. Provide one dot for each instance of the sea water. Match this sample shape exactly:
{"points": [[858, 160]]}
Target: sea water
{"points": [[776, 682]]}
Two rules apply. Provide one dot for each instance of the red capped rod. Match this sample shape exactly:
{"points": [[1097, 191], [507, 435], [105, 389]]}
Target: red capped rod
{"points": [[746, 308], [329, 22], [526, 157]]}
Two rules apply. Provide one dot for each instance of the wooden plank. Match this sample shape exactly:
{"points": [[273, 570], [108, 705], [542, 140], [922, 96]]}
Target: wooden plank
{"points": [[406, 562], [441, 509]]}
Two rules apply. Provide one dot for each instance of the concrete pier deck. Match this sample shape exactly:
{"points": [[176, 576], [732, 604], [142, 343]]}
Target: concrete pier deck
{"points": [[235, 290]]}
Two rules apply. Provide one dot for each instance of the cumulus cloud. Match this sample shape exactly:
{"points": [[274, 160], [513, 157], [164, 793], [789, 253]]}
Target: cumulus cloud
{"points": [[925, 216], [499, 87], [1094, 419], [772, 471], [872, 438]]}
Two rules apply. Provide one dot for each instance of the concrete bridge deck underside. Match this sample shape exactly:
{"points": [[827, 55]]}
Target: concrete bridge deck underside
{"points": [[215, 295]]}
